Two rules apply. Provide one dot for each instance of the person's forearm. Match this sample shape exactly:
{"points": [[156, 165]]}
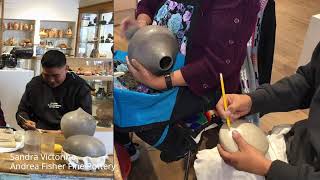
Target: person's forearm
{"points": [[274, 98], [266, 167], [176, 78], [144, 19]]}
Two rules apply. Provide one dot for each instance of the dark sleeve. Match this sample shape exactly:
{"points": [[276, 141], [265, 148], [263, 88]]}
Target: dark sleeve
{"points": [[266, 43], [24, 108], [290, 93], [2, 121], [84, 99], [202, 73], [148, 7], [282, 170]]}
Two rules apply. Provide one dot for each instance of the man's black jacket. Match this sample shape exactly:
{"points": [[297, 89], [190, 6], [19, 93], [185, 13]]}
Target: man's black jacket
{"points": [[299, 91], [46, 106]]}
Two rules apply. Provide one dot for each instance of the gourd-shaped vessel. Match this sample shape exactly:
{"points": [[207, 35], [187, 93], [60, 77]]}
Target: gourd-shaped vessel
{"points": [[69, 33], [83, 145], [155, 47], [16, 26], [78, 122], [249, 132]]}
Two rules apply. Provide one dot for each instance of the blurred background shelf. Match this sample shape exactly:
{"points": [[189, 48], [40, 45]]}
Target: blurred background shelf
{"points": [[95, 26]]}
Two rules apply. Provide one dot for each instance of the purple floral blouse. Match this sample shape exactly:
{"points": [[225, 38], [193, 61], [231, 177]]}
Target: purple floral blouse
{"points": [[219, 40]]}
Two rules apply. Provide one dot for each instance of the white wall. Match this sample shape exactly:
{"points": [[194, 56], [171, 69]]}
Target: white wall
{"points": [[58, 10], [13, 83], [311, 40], [84, 3]]}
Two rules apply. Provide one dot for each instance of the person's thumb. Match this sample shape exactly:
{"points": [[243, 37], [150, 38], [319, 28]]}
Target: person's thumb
{"points": [[242, 144], [124, 25]]}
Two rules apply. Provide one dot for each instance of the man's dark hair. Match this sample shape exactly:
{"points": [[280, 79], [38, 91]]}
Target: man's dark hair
{"points": [[53, 58]]}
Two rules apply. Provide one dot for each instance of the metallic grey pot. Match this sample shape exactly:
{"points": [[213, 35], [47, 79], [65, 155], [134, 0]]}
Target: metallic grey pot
{"points": [[83, 145], [78, 122], [153, 46]]}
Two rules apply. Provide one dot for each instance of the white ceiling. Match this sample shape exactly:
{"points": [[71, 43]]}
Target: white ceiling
{"points": [[84, 3]]}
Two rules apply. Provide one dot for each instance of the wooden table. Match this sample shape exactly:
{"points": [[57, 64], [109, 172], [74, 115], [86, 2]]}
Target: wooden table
{"points": [[39, 166]]}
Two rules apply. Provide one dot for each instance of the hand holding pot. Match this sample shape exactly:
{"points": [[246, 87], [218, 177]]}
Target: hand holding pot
{"points": [[130, 23], [144, 76], [247, 158]]}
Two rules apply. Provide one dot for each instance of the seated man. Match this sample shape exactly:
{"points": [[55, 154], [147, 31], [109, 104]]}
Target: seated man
{"points": [[299, 91], [2, 121], [52, 94]]}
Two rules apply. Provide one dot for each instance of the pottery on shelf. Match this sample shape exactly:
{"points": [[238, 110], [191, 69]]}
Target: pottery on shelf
{"points": [[69, 33], [31, 27], [77, 122], [155, 47], [60, 33], [16, 26], [95, 53], [20, 26], [103, 22], [26, 27], [9, 25], [83, 145], [101, 93], [43, 33], [249, 132], [51, 33]]}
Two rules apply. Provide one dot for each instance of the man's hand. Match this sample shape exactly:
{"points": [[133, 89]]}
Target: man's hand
{"points": [[144, 76], [247, 158], [28, 125], [238, 106]]}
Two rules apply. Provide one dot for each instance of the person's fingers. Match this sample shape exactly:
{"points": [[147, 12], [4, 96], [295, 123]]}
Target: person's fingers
{"points": [[125, 25], [30, 125], [230, 98], [215, 112], [235, 116], [130, 67], [226, 156], [242, 144], [233, 107], [27, 127], [141, 23], [138, 66], [220, 108], [24, 126]]}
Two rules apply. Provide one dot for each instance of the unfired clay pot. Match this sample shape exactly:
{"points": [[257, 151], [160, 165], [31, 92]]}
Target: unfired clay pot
{"points": [[83, 145], [153, 46], [77, 122], [250, 133]]}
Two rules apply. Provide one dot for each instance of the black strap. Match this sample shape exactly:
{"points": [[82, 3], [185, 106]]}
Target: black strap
{"points": [[168, 80]]}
